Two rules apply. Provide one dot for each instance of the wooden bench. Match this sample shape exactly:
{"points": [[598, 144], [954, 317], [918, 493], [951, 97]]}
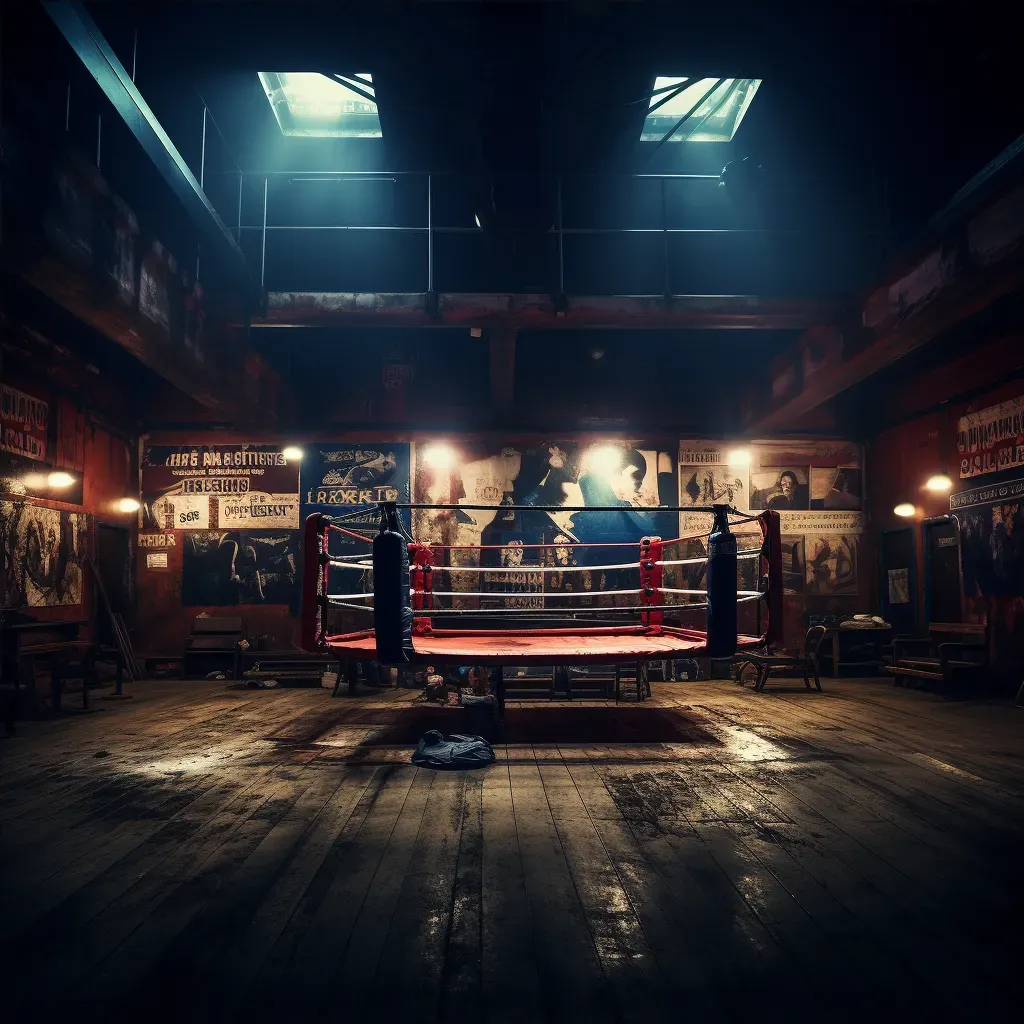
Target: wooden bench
{"points": [[214, 638], [953, 653], [286, 666]]}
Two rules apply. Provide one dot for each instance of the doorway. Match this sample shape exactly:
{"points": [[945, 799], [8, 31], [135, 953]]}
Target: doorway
{"points": [[897, 579], [114, 568], [942, 589]]}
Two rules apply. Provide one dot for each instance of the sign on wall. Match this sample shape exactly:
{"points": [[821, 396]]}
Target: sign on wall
{"points": [[43, 553], [24, 423], [339, 479], [992, 440], [183, 486], [991, 523]]}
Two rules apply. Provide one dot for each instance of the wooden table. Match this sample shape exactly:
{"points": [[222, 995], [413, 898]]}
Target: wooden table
{"points": [[876, 636]]}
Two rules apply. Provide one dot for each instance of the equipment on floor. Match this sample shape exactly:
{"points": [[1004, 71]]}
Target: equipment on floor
{"points": [[456, 752]]}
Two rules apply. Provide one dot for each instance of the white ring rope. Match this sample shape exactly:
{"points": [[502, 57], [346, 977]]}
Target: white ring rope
{"points": [[350, 597], [498, 593], [534, 568], [354, 607], [361, 566], [753, 553], [673, 590]]}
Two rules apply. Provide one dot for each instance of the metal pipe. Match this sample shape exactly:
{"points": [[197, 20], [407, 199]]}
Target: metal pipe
{"points": [[457, 230], [238, 230], [202, 155], [67, 109], [561, 254], [99, 138], [522, 174], [135, 50], [263, 252], [664, 255], [430, 233]]}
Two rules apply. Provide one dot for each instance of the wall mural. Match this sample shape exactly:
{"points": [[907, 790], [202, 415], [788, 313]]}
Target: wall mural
{"points": [[627, 476], [339, 479], [44, 552], [240, 567]]}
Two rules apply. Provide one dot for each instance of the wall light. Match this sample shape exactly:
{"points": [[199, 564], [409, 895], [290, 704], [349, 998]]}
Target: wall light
{"points": [[292, 453], [34, 480], [439, 456], [905, 509], [60, 480], [128, 505], [939, 482], [739, 457]]}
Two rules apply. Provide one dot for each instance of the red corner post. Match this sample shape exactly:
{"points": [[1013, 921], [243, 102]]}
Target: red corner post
{"points": [[771, 572], [651, 579], [421, 576], [314, 583]]}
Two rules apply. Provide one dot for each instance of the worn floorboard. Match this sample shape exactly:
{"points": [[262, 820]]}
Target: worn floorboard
{"points": [[212, 854]]}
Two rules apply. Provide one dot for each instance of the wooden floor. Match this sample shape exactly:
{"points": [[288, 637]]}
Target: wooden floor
{"points": [[200, 853]]}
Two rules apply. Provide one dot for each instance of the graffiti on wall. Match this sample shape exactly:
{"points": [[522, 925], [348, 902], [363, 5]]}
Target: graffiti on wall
{"points": [[44, 552]]}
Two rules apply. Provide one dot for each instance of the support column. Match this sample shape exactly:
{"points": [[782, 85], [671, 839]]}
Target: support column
{"points": [[503, 370]]}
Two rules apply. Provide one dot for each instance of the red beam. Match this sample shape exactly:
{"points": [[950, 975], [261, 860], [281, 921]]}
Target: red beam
{"points": [[412, 309]]}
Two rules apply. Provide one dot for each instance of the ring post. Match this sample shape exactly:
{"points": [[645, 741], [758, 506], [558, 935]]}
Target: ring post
{"points": [[651, 579], [392, 608], [722, 567]]}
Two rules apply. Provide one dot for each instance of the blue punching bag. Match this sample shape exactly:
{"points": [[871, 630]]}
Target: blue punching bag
{"points": [[392, 604], [721, 586]]}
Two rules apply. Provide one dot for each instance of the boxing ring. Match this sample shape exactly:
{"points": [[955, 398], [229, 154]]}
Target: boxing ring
{"points": [[429, 603]]}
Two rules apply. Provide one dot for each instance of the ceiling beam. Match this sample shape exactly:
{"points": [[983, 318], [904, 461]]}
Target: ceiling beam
{"points": [[102, 64], [518, 311]]}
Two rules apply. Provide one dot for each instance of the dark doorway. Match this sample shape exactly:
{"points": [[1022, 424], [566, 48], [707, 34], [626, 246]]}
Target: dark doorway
{"points": [[941, 571], [897, 579], [114, 566]]}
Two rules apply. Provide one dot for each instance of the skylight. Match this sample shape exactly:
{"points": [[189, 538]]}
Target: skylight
{"points": [[323, 106], [697, 109]]}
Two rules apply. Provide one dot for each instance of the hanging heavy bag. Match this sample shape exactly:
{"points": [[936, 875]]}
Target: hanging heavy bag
{"points": [[721, 586], [392, 604]]}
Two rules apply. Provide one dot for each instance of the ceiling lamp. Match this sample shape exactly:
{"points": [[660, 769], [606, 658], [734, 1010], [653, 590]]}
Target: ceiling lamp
{"points": [[939, 482], [739, 457], [60, 480], [127, 505], [904, 509], [292, 453]]}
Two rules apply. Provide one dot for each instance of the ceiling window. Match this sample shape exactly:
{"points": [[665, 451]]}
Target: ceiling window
{"points": [[323, 106], [697, 109]]}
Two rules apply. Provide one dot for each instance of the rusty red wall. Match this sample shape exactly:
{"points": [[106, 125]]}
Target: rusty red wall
{"points": [[899, 461]]}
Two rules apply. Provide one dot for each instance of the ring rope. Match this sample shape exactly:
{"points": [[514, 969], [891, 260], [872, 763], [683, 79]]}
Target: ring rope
{"points": [[361, 566], [673, 590], [354, 607], [500, 593], [350, 597], [534, 568]]}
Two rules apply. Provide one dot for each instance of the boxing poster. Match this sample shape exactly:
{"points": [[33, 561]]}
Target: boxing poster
{"points": [[183, 486], [240, 567], [351, 479], [991, 523]]}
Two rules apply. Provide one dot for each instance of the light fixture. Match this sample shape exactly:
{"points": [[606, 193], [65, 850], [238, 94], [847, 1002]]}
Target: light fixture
{"points": [[939, 482], [477, 221], [292, 453], [60, 480], [605, 460], [439, 456], [127, 505], [904, 509], [597, 354], [34, 481], [739, 457]]}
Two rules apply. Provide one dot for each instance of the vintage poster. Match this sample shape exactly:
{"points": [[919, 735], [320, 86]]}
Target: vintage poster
{"points": [[899, 586], [793, 578], [991, 523], [835, 488], [24, 423], [177, 512], [44, 553], [156, 560], [626, 480], [783, 490], [831, 562], [341, 479], [257, 510], [239, 567], [157, 540], [992, 440], [822, 522], [205, 471]]}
